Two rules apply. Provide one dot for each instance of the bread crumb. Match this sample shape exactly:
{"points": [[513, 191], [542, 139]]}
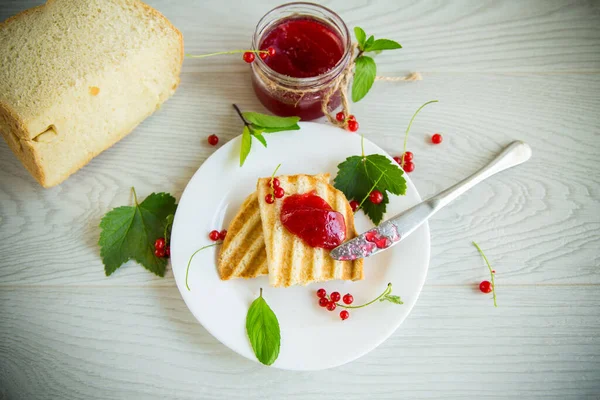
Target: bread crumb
{"points": [[94, 90]]}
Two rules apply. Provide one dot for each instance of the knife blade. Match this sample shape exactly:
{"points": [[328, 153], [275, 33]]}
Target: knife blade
{"points": [[395, 229]]}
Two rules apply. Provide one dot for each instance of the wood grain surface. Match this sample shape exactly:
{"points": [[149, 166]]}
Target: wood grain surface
{"points": [[502, 70]]}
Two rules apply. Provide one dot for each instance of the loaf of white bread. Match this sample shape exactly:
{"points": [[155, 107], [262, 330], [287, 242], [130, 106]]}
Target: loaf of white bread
{"points": [[77, 76]]}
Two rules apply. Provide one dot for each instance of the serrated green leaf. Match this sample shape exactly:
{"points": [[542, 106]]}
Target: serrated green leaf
{"points": [[270, 121], [294, 127], [128, 233], [393, 180], [361, 37], [358, 176], [383, 44], [369, 42], [261, 138], [263, 331], [364, 76], [246, 145]]}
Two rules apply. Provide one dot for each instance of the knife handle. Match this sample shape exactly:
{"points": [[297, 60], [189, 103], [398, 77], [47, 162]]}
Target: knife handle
{"points": [[514, 154]]}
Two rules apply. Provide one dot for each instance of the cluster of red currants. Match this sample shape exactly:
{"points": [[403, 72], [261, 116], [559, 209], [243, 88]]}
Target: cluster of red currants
{"points": [[250, 56], [406, 160], [161, 249], [351, 122], [278, 191], [331, 302], [215, 235]]}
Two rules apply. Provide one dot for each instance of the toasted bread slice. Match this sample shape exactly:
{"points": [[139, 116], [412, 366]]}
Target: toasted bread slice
{"points": [[290, 260], [243, 252]]}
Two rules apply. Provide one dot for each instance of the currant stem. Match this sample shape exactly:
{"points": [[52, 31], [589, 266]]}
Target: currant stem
{"points": [[387, 291], [491, 272], [134, 196], [372, 187], [241, 116], [187, 270], [226, 52], [362, 145], [271, 181], [408, 128]]}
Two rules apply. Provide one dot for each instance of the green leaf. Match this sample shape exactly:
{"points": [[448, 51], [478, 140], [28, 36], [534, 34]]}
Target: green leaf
{"points": [[392, 298], [361, 37], [358, 176], [246, 145], [393, 180], [129, 232], [261, 138], [168, 227], [364, 76], [369, 42], [294, 127], [270, 121], [383, 44], [263, 331]]}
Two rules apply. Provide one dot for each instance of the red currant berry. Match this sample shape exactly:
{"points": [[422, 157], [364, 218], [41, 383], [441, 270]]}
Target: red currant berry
{"points": [[351, 117], [263, 55], [408, 156], [321, 293], [213, 235], [335, 296], [271, 51], [340, 116], [331, 306], [168, 251], [485, 286], [354, 204], [376, 197], [398, 160], [275, 183], [223, 234], [213, 140], [279, 192], [159, 252], [249, 57], [159, 243], [344, 314], [352, 126], [437, 139], [347, 299], [269, 199], [409, 166], [323, 302]]}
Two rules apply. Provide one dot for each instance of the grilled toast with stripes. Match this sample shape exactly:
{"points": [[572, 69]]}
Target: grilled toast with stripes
{"points": [[243, 253], [291, 261]]}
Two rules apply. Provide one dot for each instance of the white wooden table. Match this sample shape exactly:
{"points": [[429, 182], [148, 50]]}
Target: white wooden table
{"points": [[502, 70]]}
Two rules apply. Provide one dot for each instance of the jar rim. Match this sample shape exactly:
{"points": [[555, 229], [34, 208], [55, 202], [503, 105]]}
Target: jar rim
{"points": [[262, 26]]}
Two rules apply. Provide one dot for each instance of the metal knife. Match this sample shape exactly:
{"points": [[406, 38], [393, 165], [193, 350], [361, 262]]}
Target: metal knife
{"points": [[392, 231]]}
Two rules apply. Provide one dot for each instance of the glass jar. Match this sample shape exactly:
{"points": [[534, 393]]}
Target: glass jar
{"points": [[306, 55]]}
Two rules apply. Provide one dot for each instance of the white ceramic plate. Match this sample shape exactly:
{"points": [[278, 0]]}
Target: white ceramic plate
{"points": [[312, 338]]}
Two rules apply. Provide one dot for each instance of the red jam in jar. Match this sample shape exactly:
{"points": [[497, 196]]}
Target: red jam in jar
{"points": [[312, 49], [304, 47], [312, 219]]}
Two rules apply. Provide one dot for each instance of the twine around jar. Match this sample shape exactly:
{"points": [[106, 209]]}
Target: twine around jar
{"points": [[340, 83]]}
